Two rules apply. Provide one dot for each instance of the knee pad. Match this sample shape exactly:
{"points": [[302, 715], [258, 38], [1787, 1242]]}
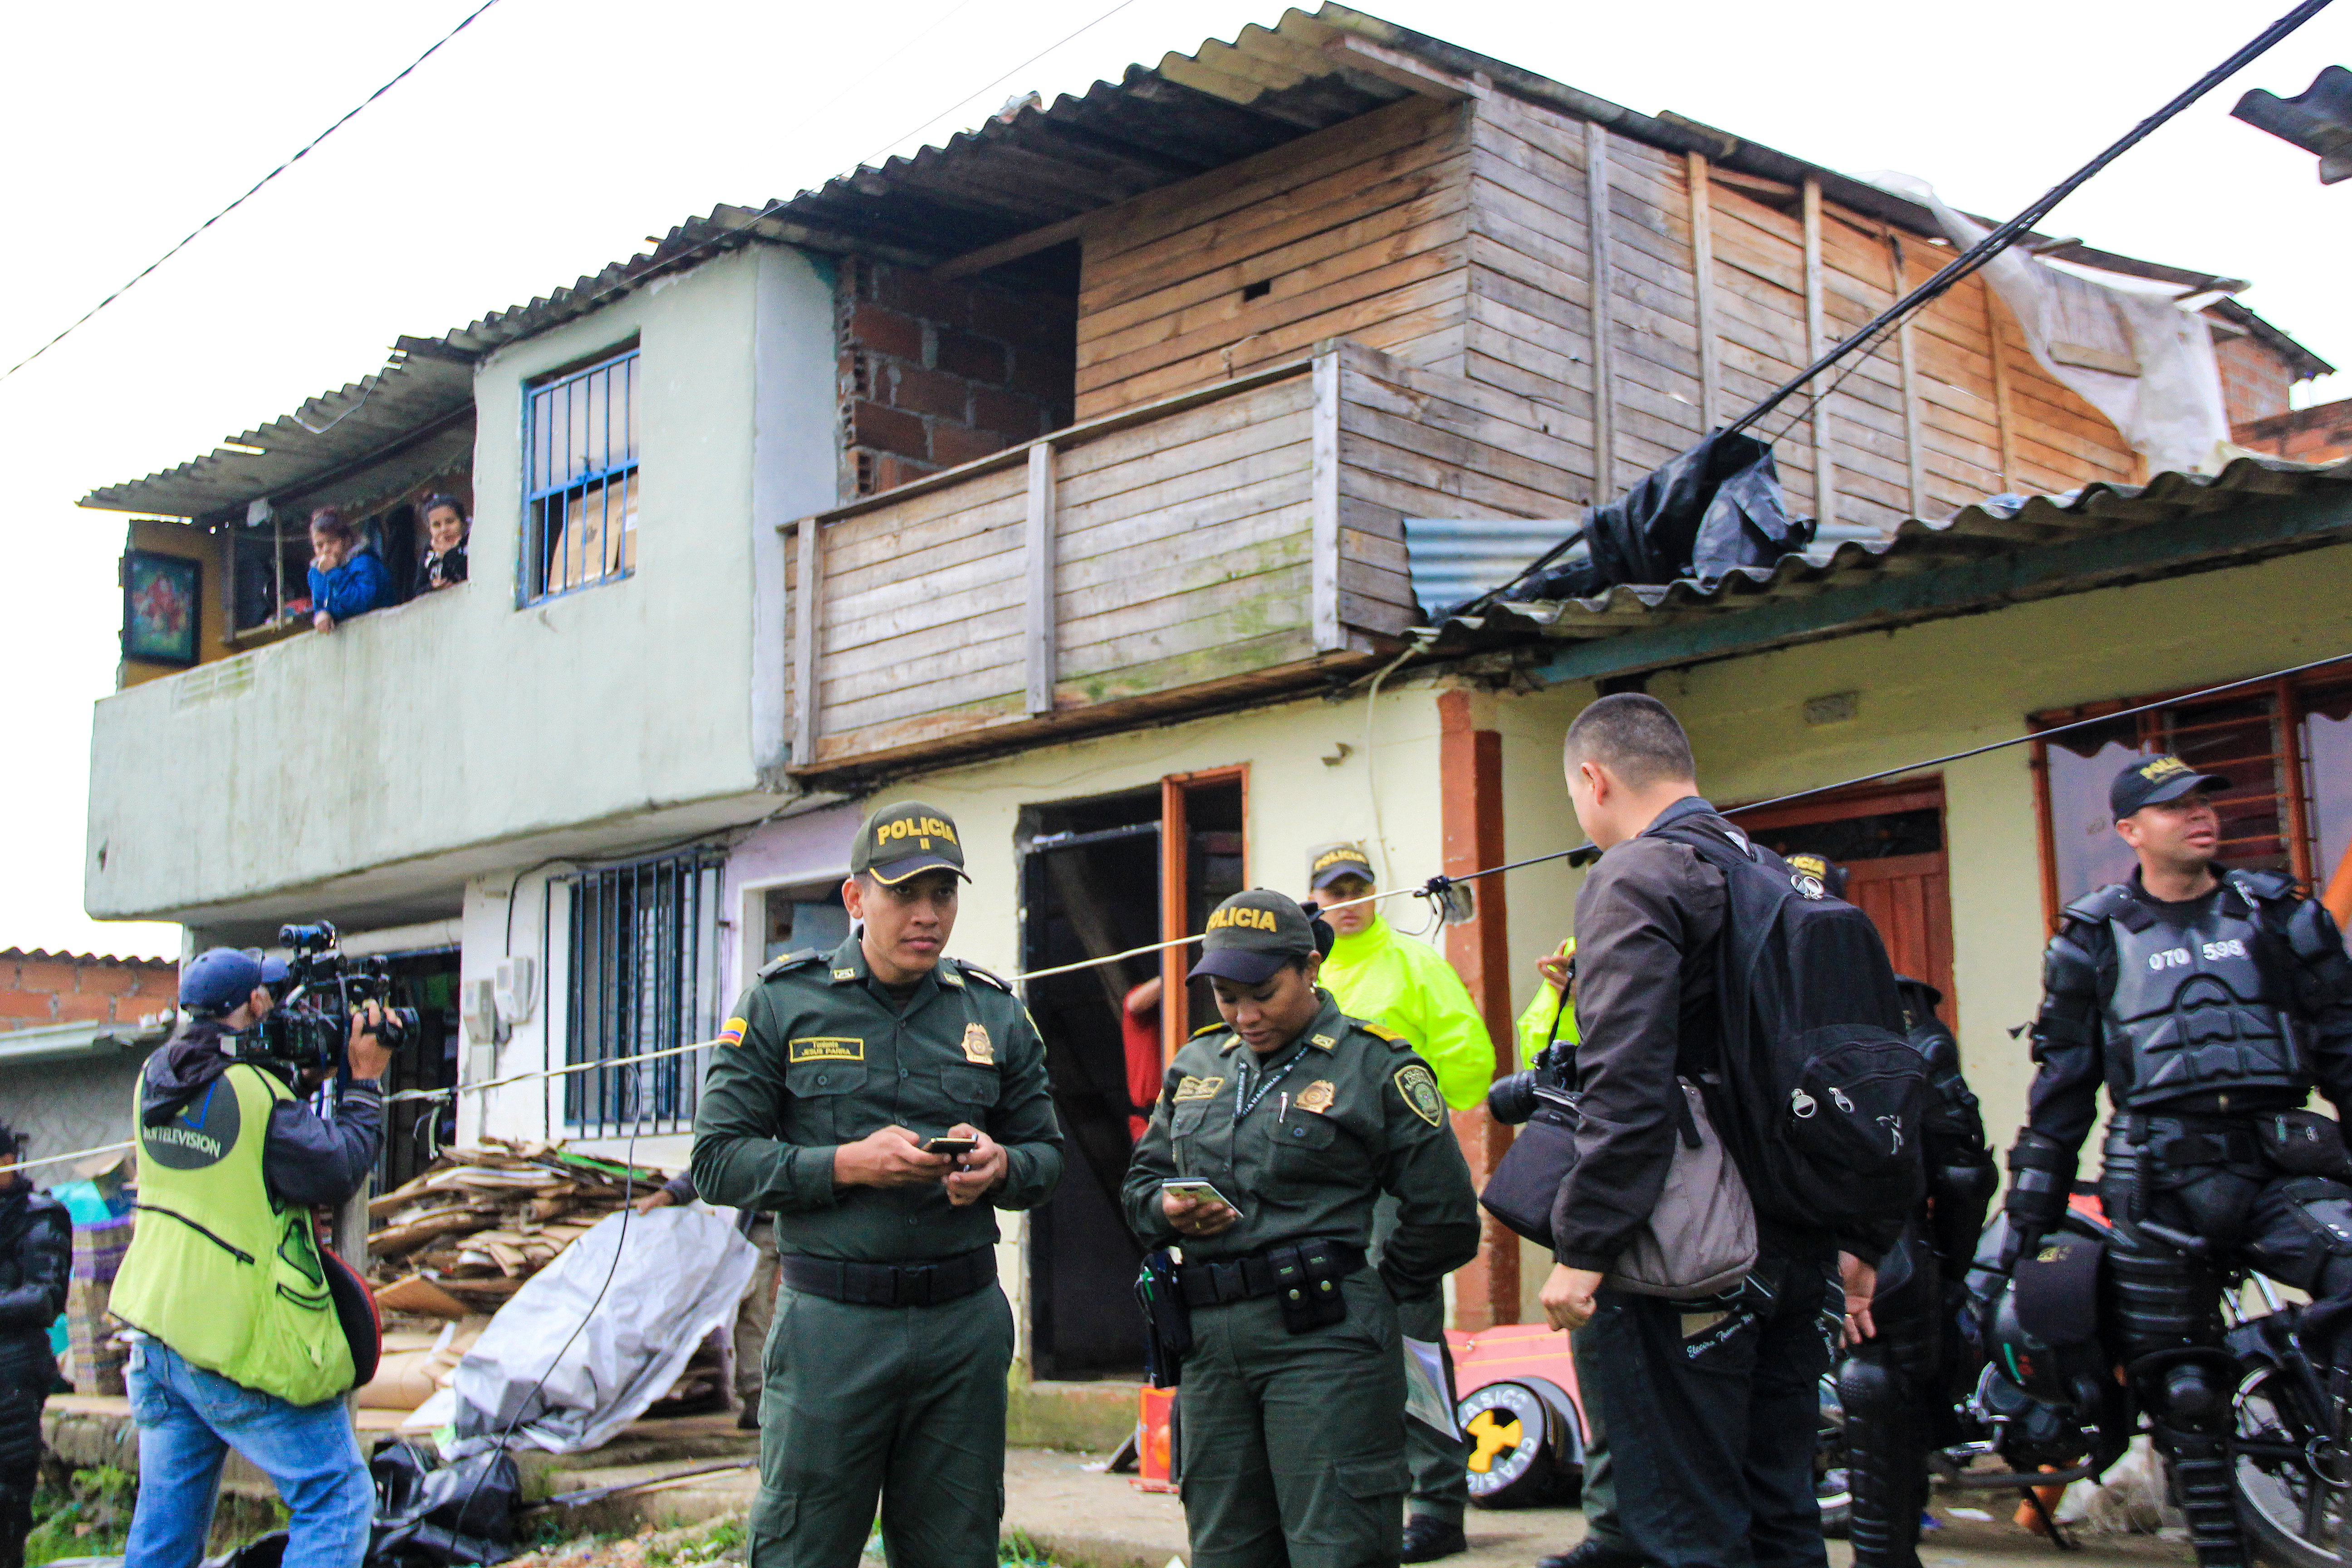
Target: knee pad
{"points": [[1868, 1388], [2187, 1390]]}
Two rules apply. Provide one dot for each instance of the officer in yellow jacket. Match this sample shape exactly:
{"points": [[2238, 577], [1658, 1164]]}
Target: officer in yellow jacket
{"points": [[1405, 985]]}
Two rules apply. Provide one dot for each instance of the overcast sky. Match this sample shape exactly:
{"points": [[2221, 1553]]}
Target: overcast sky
{"points": [[554, 136]]}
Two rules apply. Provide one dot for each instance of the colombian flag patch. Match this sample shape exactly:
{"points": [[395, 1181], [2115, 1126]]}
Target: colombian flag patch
{"points": [[731, 1033]]}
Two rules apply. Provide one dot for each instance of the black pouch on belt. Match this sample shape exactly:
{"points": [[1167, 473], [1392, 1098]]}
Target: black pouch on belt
{"points": [[1307, 1277], [1167, 1319], [2303, 1144]]}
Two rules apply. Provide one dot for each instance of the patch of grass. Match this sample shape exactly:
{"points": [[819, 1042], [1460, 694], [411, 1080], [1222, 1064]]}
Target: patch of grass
{"points": [[86, 1513]]}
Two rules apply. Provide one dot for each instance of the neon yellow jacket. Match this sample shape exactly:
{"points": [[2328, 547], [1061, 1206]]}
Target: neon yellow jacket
{"points": [[1405, 985], [1537, 1025]]}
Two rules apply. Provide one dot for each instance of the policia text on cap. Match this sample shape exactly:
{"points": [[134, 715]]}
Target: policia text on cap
{"points": [[886, 1366]]}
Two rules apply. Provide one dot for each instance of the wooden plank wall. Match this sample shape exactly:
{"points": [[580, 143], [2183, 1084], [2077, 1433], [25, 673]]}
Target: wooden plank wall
{"points": [[1359, 231], [1973, 424]]}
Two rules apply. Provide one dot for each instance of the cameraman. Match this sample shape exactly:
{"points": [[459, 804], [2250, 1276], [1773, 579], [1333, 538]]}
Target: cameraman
{"points": [[236, 1339]]}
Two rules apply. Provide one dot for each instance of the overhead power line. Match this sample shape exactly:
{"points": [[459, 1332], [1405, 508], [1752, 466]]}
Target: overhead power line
{"points": [[341, 120]]}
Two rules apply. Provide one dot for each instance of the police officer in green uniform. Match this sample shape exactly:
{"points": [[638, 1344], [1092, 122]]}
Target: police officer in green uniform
{"points": [[887, 1361], [1294, 1392]]}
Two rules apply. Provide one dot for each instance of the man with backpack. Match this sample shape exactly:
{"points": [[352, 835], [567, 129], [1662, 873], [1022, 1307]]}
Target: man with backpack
{"points": [[2210, 1002], [1703, 960]]}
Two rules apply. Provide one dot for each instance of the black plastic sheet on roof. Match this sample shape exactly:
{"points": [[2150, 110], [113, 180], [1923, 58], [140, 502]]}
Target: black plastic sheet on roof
{"points": [[1710, 511]]}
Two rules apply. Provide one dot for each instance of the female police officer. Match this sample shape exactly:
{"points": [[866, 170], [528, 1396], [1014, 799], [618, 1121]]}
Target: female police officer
{"points": [[1293, 1391]]}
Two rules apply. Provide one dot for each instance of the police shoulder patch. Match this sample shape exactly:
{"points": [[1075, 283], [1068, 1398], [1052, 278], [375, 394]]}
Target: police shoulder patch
{"points": [[983, 976], [1417, 1087]]}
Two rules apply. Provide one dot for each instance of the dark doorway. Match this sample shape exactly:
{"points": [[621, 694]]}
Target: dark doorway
{"points": [[1090, 887], [414, 1130]]}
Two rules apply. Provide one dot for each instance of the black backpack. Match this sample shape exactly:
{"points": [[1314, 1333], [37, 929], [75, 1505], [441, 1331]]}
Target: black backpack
{"points": [[1817, 1093]]}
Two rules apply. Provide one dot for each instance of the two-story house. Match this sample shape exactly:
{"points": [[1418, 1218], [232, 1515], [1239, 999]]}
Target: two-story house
{"points": [[1107, 475]]}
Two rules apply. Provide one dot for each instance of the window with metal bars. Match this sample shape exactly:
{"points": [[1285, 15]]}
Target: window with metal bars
{"points": [[642, 975], [2284, 745], [580, 474]]}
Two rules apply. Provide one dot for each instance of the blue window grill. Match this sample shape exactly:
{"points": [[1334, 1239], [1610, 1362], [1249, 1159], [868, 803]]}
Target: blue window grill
{"points": [[643, 975], [579, 468]]}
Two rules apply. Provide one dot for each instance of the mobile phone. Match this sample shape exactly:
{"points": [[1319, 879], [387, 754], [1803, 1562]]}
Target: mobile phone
{"points": [[951, 1145], [1199, 1190]]}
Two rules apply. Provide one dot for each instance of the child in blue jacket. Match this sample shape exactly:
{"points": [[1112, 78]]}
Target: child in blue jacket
{"points": [[347, 578]]}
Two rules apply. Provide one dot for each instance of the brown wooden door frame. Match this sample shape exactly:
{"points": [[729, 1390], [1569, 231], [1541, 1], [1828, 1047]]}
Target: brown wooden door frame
{"points": [[1176, 889]]}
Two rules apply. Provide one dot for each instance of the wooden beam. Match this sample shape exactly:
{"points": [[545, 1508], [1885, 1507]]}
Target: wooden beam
{"points": [[1470, 767], [1408, 71], [1038, 538], [1604, 378], [1012, 250], [1324, 529], [1702, 220], [1175, 874], [1906, 355], [1816, 344], [2004, 420], [808, 607]]}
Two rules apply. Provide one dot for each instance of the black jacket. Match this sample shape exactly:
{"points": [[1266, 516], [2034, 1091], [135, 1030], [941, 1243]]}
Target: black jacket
{"points": [[36, 1257], [305, 1161]]}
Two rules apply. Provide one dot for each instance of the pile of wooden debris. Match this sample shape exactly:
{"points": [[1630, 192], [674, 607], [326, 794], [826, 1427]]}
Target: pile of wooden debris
{"points": [[463, 1236]]}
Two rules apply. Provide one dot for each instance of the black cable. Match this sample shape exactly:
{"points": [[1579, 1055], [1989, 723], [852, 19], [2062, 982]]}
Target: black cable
{"points": [[344, 119], [1583, 854], [1977, 255]]}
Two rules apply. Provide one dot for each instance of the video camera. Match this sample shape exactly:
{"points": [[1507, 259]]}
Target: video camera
{"points": [[312, 1024]]}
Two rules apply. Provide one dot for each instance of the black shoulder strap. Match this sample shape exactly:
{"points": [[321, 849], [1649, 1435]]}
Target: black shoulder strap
{"points": [[2113, 901]]}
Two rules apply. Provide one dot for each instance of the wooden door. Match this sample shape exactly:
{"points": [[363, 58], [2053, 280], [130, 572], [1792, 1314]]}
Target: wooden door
{"points": [[1890, 840]]}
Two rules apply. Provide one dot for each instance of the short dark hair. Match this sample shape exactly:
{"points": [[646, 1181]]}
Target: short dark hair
{"points": [[1634, 736], [330, 521]]}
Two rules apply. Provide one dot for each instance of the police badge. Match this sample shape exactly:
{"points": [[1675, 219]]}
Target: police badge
{"points": [[1318, 1096], [976, 1047]]}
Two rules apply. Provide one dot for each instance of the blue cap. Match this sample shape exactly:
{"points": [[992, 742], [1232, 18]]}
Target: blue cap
{"points": [[218, 980], [274, 971]]}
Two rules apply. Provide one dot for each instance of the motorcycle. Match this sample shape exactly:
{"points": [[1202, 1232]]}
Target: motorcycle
{"points": [[2036, 1425]]}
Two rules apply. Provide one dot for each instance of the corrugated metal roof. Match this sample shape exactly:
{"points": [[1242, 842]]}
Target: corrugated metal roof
{"points": [[413, 418], [1998, 527]]}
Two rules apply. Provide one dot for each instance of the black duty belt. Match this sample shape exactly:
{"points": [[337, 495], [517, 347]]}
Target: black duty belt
{"points": [[891, 1284], [1267, 1272], [2180, 1142]]}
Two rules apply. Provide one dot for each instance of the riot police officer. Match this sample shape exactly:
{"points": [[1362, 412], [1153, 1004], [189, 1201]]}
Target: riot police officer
{"points": [[36, 1248], [2211, 1000], [1295, 1385]]}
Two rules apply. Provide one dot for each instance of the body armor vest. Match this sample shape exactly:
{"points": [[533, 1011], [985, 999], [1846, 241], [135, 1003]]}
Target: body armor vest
{"points": [[2197, 1007]]}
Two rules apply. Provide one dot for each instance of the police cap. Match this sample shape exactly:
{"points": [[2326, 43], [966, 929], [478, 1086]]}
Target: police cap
{"points": [[904, 840], [218, 980], [1251, 935], [1333, 861], [2155, 780]]}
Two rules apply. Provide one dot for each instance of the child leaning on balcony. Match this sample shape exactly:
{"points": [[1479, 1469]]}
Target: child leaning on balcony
{"points": [[446, 530], [347, 578]]}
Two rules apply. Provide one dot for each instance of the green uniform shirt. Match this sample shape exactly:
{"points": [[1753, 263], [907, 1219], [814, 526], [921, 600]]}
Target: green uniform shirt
{"points": [[1354, 1113], [826, 1057], [1405, 985]]}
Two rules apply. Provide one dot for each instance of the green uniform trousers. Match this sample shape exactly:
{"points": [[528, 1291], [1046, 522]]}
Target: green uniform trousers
{"points": [[1294, 1444], [1440, 1465], [903, 1405], [1599, 1500]]}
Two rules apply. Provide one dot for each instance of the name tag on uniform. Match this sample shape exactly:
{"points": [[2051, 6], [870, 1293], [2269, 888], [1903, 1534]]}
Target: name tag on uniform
{"points": [[826, 1048]]}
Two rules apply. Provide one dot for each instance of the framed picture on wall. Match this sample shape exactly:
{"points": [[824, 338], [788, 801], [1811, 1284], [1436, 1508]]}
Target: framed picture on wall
{"points": [[162, 600]]}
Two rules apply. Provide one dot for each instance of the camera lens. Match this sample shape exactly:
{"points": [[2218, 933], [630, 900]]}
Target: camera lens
{"points": [[1512, 1099]]}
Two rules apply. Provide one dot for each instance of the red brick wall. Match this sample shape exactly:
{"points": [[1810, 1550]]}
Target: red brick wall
{"points": [[935, 374], [38, 988], [2321, 435], [2254, 379]]}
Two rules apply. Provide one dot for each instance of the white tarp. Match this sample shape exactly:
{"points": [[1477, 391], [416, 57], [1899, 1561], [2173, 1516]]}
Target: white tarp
{"points": [[2122, 344], [680, 1274]]}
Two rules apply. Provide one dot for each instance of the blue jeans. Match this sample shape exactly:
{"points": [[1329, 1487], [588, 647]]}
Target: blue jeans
{"points": [[189, 1419]]}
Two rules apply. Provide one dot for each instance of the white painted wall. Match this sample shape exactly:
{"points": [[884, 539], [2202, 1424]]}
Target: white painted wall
{"points": [[460, 721]]}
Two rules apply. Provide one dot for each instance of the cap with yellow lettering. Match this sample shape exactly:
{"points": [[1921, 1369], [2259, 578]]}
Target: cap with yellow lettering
{"points": [[1333, 861], [902, 840], [1252, 934], [2155, 780]]}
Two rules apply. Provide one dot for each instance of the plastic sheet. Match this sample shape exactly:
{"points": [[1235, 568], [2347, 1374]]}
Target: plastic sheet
{"points": [[1713, 508], [679, 1274], [430, 1515], [2122, 344]]}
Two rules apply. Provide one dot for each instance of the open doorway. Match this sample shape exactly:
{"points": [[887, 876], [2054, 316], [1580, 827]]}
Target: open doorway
{"points": [[1099, 877], [1890, 839], [427, 981]]}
